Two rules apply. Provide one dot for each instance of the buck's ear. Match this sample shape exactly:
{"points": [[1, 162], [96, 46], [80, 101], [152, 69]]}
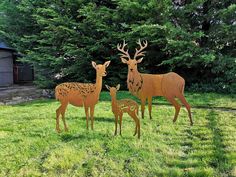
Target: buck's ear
{"points": [[94, 64], [124, 60], [107, 63], [108, 87], [140, 60], [118, 87]]}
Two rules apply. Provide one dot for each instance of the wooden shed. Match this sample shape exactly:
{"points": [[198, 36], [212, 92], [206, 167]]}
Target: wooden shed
{"points": [[11, 70]]}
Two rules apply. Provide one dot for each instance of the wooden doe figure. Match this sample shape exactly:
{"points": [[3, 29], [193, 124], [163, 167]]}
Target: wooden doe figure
{"points": [[119, 107], [80, 94], [145, 86]]}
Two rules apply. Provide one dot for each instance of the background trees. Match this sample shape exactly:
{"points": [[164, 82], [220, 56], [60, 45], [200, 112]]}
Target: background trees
{"points": [[60, 38]]}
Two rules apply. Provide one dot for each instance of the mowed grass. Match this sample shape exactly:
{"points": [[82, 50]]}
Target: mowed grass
{"points": [[29, 145]]}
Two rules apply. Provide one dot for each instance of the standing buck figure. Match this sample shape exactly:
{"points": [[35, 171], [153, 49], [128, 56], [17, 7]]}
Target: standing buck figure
{"points": [[80, 94], [145, 86], [119, 107]]}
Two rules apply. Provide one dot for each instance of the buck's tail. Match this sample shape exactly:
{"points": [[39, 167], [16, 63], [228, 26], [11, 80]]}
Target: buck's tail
{"points": [[137, 110], [182, 88]]}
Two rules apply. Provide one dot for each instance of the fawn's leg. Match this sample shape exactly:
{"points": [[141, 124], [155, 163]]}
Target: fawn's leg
{"points": [[121, 115], [137, 123], [116, 120]]}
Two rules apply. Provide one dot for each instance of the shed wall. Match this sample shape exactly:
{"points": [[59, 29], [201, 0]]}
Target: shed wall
{"points": [[6, 68]]}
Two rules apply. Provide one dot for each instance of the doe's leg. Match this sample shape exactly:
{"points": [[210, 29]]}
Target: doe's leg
{"points": [[58, 113], [63, 110], [86, 108], [92, 115], [121, 115]]}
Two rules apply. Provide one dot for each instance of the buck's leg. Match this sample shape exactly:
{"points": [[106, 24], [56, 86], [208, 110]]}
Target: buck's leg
{"points": [[87, 115], [176, 105], [138, 125], [150, 107], [188, 107], [63, 110], [143, 101], [58, 113], [116, 120], [91, 115], [135, 132], [121, 115]]}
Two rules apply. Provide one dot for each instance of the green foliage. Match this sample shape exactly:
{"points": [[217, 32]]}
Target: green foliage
{"points": [[60, 38], [31, 147]]}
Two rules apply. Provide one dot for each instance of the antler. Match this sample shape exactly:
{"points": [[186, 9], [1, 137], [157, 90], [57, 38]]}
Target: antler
{"points": [[121, 48], [139, 52]]}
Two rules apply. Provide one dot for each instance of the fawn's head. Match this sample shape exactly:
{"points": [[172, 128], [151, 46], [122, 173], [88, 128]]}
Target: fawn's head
{"points": [[101, 69], [132, 63], [113, 90]]}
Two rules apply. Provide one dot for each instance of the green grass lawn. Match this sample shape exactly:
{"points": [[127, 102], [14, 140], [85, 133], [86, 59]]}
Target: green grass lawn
{"points": [[29, 145]]}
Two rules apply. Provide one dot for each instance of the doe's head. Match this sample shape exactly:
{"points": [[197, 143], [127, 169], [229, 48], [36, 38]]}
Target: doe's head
{"points": [[101, 69], [113, 90], [132, 62]]}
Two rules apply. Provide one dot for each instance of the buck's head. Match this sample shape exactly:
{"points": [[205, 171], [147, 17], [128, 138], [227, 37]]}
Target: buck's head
{"points": [[125, 57], [113, 90], [101, 69]]}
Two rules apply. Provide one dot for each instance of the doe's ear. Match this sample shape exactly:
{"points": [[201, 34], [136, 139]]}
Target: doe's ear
{"points": [[118, 87], [140, 60], [107, 63], [124, 60], [94, 64], [108, 87]]}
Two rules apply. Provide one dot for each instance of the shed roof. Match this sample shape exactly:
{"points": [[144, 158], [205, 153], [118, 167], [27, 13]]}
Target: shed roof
{"points": [[5, 46]]}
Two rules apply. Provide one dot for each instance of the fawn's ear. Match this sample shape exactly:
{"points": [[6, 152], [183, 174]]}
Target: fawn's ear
{"points": [[118, 87], [107, 63], [108, 87], [140, 60], [124, 60], [94, 64]]}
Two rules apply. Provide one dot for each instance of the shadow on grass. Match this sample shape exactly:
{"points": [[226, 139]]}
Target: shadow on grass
{"points": [[104, 119], [71, 137], [36, 103], [96, 119], [220, 161], [86, 135]]}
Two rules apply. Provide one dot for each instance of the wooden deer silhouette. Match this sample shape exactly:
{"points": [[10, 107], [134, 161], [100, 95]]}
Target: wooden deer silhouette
{"points": [[145, 86], [80, 94], [119, 107]]}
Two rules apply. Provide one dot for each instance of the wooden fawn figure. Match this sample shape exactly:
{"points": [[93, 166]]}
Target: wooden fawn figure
{"points": [[145, 86], [119, 107], [81, 95]]}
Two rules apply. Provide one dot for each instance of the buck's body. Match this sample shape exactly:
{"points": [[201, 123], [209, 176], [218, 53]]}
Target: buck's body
{"points": [[168, 84], [145, 86]]}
